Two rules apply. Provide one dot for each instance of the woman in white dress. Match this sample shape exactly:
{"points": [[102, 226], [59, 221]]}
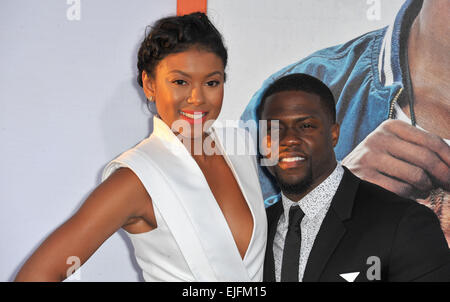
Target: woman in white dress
{"points": [[191, 214]]}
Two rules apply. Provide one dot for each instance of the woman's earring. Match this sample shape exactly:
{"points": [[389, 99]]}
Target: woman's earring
{"points": [[151, 99]]}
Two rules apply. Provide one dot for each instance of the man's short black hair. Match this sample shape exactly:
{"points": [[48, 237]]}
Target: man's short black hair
{"points": [[301, 82]]}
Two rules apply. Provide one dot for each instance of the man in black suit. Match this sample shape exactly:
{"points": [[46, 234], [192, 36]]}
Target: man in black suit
{"points": [[329, 225]]}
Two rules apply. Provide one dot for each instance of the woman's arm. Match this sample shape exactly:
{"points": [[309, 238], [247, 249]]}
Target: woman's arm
{"points": [[120, 198]]}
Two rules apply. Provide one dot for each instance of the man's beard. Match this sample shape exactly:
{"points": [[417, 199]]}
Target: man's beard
{"points": [[299, 187]]}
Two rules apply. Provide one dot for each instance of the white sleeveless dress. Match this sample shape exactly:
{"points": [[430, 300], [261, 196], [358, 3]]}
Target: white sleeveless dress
{"points": [[192, 241]]}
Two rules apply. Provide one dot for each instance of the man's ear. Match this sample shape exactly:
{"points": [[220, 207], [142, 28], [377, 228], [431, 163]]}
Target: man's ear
{"points": [[148, 84], [335, 129]]}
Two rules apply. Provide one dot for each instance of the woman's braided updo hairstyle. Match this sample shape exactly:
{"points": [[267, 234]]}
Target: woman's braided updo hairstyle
{"points": [[177, 34]]}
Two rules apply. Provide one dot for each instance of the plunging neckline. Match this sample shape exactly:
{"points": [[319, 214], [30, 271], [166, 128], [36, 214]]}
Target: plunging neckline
{"points": [[161, 130], [236, 178]]}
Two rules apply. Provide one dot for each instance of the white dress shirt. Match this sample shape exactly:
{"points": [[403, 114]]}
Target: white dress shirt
{"points": [[315, 205]]}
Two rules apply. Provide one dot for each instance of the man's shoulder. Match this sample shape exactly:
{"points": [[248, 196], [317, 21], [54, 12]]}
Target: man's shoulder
{"points": [[416, 238], [405, 234], [375, 199], [383, 195], [366, 201]]}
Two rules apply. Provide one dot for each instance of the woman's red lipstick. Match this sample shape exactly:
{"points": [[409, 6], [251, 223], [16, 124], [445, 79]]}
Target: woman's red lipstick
{"points": [[193, 116]]}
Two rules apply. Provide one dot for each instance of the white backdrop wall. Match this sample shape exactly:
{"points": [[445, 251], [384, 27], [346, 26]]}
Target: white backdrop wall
{"points": [[69, 102]]}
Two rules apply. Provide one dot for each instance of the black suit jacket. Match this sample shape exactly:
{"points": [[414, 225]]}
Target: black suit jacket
{"points": [[365, 220]]}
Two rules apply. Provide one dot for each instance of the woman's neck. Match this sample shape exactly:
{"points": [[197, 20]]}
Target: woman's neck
{"points": [[201, 148]]}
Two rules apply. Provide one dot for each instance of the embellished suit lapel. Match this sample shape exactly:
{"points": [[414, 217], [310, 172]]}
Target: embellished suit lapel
{"points": [[333, 228]]}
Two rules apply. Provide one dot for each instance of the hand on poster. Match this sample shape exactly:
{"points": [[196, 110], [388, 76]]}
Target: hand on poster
{"points": [[409, 162]]}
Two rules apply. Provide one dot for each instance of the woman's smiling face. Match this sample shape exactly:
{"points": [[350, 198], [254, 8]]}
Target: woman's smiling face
{"points": [[187, 86]]}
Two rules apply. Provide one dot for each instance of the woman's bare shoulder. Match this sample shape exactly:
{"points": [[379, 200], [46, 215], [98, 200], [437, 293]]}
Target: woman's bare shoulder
{"points": [[124, 189], [135, 198]]}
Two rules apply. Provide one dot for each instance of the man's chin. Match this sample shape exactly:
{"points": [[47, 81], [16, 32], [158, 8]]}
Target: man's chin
{"points": [[294, 181], [294, 185], [295, 188]]}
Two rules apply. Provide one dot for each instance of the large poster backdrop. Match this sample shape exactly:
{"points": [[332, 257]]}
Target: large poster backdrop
{"points": [[69, 101]]}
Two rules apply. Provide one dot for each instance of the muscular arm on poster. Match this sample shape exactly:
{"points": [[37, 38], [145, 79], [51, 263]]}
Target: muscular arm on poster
{"points": [[405, 160]]}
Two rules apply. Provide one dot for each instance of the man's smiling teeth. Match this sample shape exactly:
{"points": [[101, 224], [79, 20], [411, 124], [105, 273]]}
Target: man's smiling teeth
{"points": [[292, 159], [194, 116]]}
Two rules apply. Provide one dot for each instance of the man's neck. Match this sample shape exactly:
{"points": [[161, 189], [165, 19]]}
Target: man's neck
{"points": [[429, 62], [299, 195]]}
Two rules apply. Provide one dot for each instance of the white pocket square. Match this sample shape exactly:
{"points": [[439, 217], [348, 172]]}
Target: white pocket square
{"points": [[349, 277]]}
